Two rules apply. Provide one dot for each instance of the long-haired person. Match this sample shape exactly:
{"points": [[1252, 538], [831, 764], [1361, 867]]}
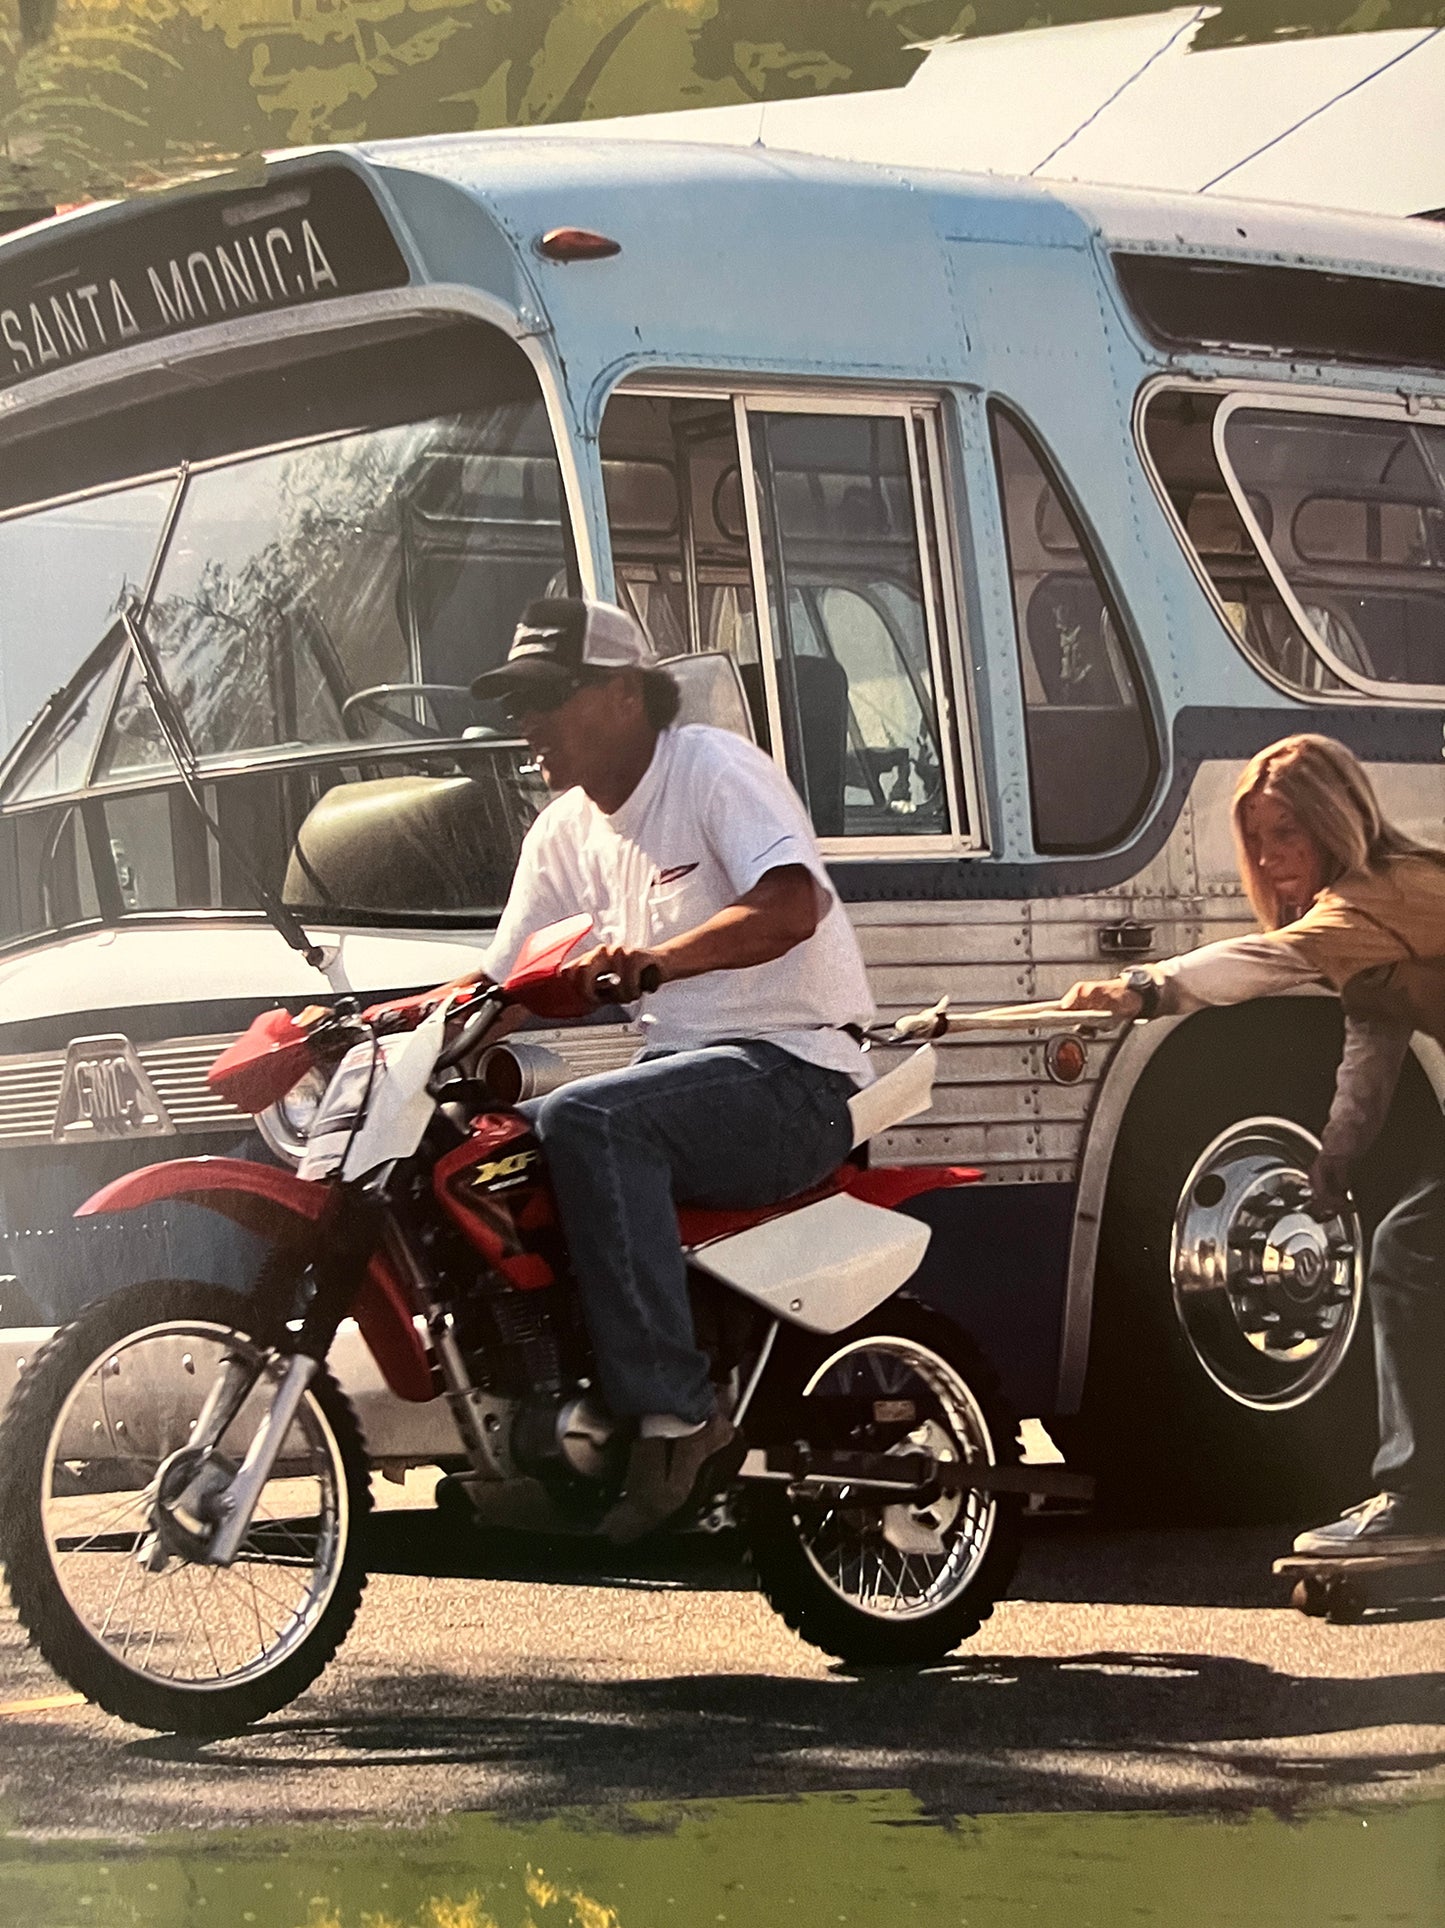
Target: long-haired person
{"points": [[1347, 900]]}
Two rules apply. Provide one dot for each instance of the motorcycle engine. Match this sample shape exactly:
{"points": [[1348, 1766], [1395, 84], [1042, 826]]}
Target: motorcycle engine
{"points": [[566, 1439]]}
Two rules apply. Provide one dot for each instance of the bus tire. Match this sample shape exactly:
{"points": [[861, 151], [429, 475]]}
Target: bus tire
{"points": [[1281, 1440]]}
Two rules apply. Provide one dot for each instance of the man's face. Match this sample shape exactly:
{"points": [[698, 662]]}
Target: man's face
{"points": [[581, 737]]}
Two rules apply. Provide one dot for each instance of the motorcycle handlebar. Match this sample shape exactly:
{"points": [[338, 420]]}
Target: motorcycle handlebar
{"points": [[471, 1033], [609, 985]]}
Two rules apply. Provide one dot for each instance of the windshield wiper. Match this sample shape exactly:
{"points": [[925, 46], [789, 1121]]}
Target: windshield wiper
{"points": [[88, 676], [177, 738]]}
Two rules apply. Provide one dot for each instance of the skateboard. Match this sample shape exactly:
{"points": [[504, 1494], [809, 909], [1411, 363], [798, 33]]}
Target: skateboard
{"points": [[1340, 1586]]}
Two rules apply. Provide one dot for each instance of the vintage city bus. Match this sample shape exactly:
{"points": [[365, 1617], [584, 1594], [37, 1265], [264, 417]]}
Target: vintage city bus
{"points": [[1022, 516]]}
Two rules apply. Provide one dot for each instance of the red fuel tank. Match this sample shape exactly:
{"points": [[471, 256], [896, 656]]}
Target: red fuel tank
{"points": [[494, 1189]]}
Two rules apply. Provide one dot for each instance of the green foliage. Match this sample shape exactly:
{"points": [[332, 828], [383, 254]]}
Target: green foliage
{"points": [[104, 96]]}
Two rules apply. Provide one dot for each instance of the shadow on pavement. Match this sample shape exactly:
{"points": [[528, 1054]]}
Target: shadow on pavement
{"points": [[1106, 1729], [1070, 1561]]}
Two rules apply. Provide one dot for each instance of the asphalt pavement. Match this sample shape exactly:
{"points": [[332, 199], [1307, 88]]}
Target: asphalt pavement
{"points": [[1128, 1670]]}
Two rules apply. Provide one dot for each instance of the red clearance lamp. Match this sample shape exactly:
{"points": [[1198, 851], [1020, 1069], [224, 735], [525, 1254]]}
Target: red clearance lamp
{"points": [[1065, 1059], [577, 244]]}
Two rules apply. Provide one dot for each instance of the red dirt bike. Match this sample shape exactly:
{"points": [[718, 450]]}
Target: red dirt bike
{"points": [[183, 1486]]}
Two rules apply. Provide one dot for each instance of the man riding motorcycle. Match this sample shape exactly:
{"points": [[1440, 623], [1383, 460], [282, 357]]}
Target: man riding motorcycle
{"points": [[696, 861]]}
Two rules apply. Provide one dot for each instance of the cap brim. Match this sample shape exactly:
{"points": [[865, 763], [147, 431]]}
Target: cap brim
{"points": [[535, 673]]}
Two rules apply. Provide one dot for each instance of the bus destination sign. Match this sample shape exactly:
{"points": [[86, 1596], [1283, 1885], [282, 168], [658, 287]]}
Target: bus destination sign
{"points": [[180, 263]]}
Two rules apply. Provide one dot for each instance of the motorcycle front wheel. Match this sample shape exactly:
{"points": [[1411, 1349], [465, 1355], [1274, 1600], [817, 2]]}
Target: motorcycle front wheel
{"points": [[873, 1582], [111, 1587]]}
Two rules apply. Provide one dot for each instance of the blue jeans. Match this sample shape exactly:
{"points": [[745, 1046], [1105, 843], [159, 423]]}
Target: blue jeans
{"points": [[733, 1124], [1407, 1304]]}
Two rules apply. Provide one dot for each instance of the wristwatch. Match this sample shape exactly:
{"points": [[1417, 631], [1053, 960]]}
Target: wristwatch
{"points": [[1145, 987]]}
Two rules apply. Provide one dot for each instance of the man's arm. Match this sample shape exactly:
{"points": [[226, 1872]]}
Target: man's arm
{"points": [[781, 911]]}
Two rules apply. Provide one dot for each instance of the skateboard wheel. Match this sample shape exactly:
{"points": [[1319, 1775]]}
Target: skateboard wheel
{"points": [[1344, 1602], [1310, 1596]]}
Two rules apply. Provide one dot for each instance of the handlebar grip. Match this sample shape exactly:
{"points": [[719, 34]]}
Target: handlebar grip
{"points": [[608, 985]]}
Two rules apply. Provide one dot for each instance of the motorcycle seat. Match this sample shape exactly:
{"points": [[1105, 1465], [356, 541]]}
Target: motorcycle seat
{"points": [[888, 1186], [701, 1224]]}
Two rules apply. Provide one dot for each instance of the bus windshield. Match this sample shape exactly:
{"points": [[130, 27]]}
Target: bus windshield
{"points": [[318, 610]]}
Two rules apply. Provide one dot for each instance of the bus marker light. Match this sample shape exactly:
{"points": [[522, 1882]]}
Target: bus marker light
{"points": [[1064, 1059], [577, 244]]}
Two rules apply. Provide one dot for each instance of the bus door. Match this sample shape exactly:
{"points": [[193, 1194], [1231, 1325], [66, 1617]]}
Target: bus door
{"points": [[801, 537]]}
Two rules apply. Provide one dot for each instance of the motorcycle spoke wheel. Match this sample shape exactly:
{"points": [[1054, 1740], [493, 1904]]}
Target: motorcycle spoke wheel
{"points": [[188, 1623], [104, 1530], [878, 1557], [867, 1578]]}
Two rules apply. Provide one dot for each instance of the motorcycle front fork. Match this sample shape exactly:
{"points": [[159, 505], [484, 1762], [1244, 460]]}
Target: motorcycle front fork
{"points": [[237, 1504], [482, 1421], [233, 1507]]}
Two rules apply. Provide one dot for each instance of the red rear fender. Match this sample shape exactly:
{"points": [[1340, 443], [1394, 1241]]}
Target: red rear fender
{"points": [[894, 1185], [262, 1198]]}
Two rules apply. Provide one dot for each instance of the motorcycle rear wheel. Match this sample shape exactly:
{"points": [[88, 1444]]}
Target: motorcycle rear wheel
{"points": [[185, 1647], [877, 1584]]}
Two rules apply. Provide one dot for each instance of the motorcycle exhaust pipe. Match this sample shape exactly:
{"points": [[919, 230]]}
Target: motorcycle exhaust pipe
{"points": [[514, 1072]]}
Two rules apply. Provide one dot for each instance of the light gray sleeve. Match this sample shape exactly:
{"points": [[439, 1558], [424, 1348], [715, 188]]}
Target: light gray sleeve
{"points": [[1364, 1085], [1230, 972]]}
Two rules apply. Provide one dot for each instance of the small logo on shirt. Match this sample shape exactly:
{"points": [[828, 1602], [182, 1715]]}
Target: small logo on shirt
{"points": [[672, 876]]}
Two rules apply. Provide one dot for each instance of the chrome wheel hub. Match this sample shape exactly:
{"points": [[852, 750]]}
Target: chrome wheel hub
{"points": [[1267, 1294]]}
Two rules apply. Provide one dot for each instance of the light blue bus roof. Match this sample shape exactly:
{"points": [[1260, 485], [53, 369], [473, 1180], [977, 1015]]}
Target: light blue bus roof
{"points": [[731, 256], [519, 173], [753, 259]]}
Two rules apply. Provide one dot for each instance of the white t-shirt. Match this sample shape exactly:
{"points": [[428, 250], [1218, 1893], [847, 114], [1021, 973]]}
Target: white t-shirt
{"points": [[710, 818]]}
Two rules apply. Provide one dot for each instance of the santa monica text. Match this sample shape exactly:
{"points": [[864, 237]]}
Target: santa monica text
{"points": [[259, 270]]}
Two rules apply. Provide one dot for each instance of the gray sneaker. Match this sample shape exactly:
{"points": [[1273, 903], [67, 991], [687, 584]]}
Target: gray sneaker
{"points": [[663, 1475], [1385, 1525]]}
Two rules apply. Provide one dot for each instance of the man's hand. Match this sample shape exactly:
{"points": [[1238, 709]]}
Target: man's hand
{"points": [[613, 960], [1329, 1187], [1103, 994]]}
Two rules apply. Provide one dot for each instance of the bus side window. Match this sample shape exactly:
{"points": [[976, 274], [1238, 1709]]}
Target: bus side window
{"points": [[1092, 754], [1179, 435], [858, 682], [1343, 588], [679, 536]]}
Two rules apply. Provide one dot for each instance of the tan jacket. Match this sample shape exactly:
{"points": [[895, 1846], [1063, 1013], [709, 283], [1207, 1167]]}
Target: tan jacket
{"points": [[1375, 936], [1378, 938]]}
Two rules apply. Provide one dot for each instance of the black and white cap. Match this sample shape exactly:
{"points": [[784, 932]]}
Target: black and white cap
{"points": [[560, 637]]}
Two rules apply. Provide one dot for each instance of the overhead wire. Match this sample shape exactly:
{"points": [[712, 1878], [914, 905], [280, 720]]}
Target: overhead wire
{"points": [[1324, 107], [1187, 26]]}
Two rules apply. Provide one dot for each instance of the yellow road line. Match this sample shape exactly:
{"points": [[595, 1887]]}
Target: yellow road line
{"points": [[42, 1704]]}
